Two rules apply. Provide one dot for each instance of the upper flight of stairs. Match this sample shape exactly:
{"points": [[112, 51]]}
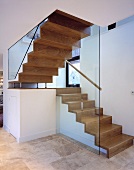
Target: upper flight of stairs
{"points": [[111, 137], [59, 36]]}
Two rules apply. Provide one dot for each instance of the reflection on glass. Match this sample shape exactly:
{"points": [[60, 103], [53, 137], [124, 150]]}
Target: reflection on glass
{"points": [[74, 77]]}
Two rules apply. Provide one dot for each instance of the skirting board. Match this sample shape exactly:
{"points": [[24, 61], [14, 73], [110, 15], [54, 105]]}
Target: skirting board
{"points": [[36, 136], [6, 128]]}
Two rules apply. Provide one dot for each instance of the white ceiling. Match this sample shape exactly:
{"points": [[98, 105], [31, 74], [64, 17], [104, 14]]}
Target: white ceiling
{"points": [[18, 17]]}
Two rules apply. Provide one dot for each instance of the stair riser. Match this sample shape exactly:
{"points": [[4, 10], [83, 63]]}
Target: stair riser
{"points": [[74, 98], [53, 52], [119, 148], [67, 90], [40, 71], [107, 120], [59, 38], [99, 111], [33, 79], [89, 104]]}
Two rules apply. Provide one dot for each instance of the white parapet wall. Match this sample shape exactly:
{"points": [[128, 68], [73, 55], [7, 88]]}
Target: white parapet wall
{"points": [[31, 113]]}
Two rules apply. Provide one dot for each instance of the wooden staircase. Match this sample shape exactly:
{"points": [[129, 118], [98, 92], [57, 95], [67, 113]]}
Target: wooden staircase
{"points": [[59, 36], [111, 137]]}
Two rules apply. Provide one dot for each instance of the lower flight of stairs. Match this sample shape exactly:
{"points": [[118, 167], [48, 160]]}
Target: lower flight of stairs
{"points": [[111, 137]]}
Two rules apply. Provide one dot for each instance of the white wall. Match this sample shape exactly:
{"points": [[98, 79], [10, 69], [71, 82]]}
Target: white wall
{"points": [[1, 62], [89, 64], [31, 113], [117, 75]]}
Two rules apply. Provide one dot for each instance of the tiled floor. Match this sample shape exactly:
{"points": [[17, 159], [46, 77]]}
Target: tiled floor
{"points": [[57, 153]]}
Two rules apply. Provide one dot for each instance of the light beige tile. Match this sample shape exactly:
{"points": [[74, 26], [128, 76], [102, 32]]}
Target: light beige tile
{"points": [[67, 149], [4, 149], [15, 166], [57, 152], [129, 166]]}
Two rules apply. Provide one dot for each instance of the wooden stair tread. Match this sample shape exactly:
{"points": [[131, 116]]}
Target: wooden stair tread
{"points": [[68, 90], [39, 70], [93, 118], [53, 52], [47, 42], [115, 141], [63, 30], [84, 109], [49, 63], [70, 94], [34, 78], [38, 54], [60, 38], [84, 101], [108, 127]]}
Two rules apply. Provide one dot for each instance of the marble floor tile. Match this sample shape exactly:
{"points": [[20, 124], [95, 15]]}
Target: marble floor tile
{"points": [[20, 165], [67, 149], [129, 166], [57, 152]]}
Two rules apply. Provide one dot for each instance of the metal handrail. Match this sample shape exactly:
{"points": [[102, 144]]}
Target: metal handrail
{"points": [[84, 76]]}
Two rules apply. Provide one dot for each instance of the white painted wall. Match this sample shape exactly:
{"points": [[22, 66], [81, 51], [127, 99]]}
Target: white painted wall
{"points": [[1, 62], [31, 113], [117, 75], [89, 64]]}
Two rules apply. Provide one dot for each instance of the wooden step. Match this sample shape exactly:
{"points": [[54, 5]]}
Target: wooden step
{"points": [[68, 90], [34, 78], [89, 111], [35, 55], [45, 62], [60, 38], [52, 52], [67, 20], [116, 144], [45, 42], [77, 104], [107, 131], [95, 119], [64, 30], [93, 124], [40, 70], [73, 97]]}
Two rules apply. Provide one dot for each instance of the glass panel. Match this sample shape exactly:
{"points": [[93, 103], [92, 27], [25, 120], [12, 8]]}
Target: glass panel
{"points": [[74, 77], [17, 54], [79, 116]]}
